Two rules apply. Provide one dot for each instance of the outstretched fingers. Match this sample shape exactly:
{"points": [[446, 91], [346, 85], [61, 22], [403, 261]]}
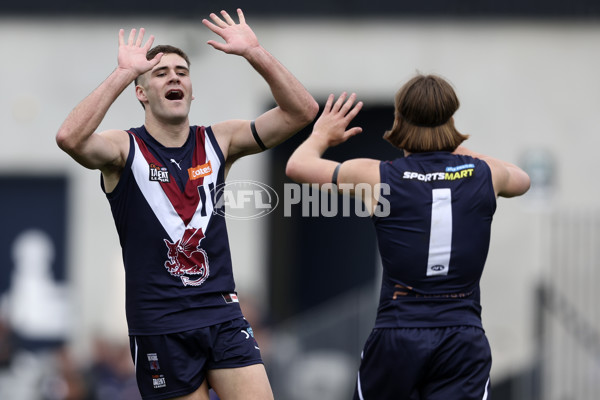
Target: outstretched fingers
{"points": [[140, 37], [352, 110], [227, 18], [131, 37], [218, 21], [132, 40], [338, 104], [133, 52], [241, 17], [347, 106], [328, 104], [344, 105]]}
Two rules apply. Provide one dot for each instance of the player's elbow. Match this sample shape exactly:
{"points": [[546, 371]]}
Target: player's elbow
{"points": [[293, 170], [64, 140], [312, 111], [307, 113], [518, 184], [68, 142]]}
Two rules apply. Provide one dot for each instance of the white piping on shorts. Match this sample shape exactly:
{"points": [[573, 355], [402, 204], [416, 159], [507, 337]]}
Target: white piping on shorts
{"points": [[136, 354], [485, 394], [358, 388]]}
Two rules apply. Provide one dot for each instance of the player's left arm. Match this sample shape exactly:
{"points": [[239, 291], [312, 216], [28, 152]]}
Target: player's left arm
{"points": [[508, 179], [295, 108]]}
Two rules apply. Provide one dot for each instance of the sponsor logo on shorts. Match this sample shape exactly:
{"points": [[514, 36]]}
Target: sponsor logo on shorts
{"points": [[250, 334], [153, 360], [158, 381]]}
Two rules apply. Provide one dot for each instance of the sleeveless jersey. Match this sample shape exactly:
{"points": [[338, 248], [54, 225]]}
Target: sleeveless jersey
{"points": [[178, 272], [435, 240]]}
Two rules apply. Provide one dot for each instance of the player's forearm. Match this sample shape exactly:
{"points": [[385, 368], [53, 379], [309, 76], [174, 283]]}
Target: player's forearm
{"points": [[85, 118], [289, 94], [306, 164]]}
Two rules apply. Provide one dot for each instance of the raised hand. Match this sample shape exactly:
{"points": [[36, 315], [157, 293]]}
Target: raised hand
{"points": [[132, 55], [335, 118], [239, 38]]}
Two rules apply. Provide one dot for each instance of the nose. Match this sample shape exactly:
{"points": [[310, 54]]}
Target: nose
{"points": [[173, 77]]}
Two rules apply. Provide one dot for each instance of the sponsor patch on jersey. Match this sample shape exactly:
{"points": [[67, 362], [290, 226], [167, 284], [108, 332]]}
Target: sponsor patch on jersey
{"points": [[460, 167], [230, 298], [200, 171], [450, 174], [158, 174]]}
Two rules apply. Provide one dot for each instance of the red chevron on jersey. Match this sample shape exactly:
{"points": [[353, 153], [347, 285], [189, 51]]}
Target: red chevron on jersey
{"points": [[185, 203]]}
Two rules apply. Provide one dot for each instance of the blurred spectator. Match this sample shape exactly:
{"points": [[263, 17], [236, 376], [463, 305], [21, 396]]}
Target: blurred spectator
{"points": [[63, 379], [112, 374]]}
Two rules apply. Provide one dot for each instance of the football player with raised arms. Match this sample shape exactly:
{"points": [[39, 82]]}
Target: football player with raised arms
{"points": [[428, 341], [187, 331]]}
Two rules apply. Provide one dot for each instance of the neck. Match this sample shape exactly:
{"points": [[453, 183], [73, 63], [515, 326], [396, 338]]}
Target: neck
{"points": [[168, 134]]}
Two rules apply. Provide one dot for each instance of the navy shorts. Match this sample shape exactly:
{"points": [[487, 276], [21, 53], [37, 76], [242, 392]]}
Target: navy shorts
{"points": [[425, 364], [175, 364]]}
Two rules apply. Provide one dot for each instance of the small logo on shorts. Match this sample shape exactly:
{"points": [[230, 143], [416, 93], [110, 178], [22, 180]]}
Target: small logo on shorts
{"points": [[153, 360], [158, 381], [250, 334]]}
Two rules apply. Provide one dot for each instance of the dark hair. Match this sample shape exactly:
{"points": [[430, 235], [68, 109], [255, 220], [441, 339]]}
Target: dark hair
{"points": [[165, 49], [423, 117]]}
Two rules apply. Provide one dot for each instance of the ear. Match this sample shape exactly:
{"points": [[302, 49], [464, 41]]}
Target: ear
{"points": [[140, 93]]}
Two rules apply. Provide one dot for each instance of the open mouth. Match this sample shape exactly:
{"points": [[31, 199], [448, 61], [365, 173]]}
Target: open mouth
{"points": [[174, 94]]}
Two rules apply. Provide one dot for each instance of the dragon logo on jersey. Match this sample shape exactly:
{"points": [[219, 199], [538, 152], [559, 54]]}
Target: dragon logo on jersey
{"points": [[187, 258]]}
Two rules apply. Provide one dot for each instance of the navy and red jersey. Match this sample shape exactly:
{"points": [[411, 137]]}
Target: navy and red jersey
{"points": [[435, 240], [178, 271]]}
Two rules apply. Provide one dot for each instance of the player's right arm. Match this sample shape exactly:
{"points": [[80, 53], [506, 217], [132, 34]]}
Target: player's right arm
{"points": [[307, 165], [106, 151]]}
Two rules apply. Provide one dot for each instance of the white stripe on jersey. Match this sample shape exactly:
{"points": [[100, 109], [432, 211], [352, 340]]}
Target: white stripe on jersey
{"points": [[159, 201], [440, 238]]}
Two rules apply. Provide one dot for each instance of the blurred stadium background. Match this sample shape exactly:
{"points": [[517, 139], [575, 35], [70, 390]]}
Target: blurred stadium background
{"points": [[527, 77]]}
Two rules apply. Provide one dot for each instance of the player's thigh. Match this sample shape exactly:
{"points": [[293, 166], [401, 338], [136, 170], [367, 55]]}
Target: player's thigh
{"points": [[243, 383], [200, 394]]}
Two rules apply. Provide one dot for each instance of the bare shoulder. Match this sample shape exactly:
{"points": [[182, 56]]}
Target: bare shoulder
{"points": [[225, 132], [364, 179], [119, 139], [111, 170]]}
